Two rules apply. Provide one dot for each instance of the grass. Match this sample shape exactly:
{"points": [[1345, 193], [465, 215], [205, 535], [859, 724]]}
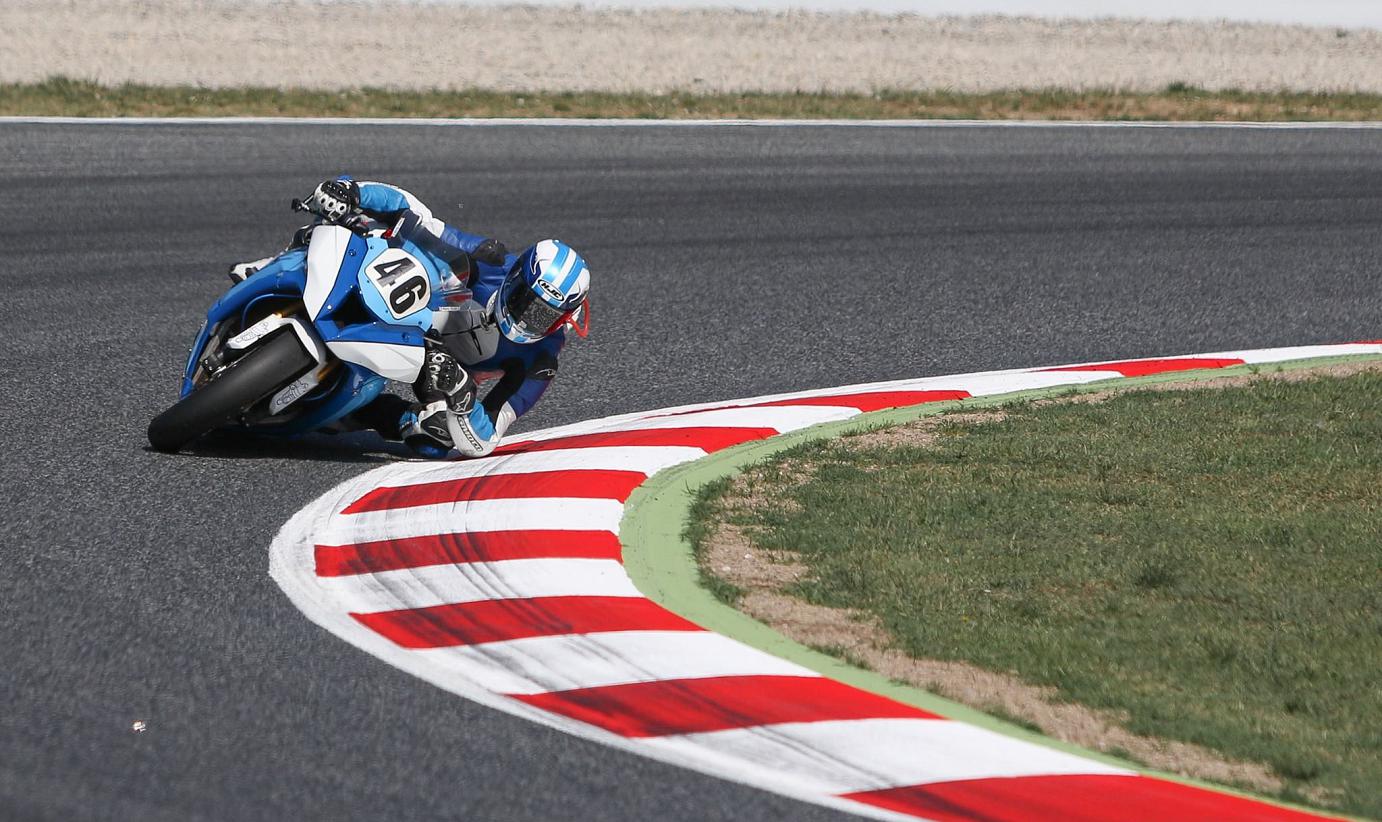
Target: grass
{"points": [[701, 524], [1207, 561], [60, 96]]}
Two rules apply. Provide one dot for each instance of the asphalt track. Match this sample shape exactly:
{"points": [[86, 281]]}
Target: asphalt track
{"points": [[728, 262]]}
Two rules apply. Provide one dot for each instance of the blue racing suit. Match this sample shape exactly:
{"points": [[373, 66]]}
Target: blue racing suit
{"points": [[523, 370]]}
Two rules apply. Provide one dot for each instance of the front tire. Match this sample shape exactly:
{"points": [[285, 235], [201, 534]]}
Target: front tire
{"points": [[265, 368]]}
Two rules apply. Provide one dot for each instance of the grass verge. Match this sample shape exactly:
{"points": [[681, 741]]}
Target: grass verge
{"points": [[60, 96], [1205, 562]]}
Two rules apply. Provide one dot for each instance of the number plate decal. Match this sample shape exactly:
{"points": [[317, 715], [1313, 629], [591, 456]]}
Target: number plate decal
{"points": [[401, 280]]}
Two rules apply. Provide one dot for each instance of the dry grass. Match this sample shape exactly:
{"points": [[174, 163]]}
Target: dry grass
{"points": [[65, 97]]}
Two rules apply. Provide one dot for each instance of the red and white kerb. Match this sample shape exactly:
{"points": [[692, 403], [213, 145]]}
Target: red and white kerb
{"points": [[500, 579]]}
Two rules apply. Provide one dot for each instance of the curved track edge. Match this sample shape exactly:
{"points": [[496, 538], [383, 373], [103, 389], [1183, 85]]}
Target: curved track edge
{"points": [[502, 580]]}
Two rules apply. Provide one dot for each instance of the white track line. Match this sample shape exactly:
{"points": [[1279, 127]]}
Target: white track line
{"points": [[556, 122]]}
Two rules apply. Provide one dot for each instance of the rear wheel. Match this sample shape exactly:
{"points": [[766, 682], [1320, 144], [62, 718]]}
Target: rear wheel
{"points": [[265, 368]]}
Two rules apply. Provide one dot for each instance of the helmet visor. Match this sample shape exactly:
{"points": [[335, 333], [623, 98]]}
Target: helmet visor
{"points": [[529, 315]]}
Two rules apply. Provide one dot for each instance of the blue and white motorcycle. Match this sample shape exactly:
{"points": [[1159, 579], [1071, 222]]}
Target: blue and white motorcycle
{"points": [[297, 348]]}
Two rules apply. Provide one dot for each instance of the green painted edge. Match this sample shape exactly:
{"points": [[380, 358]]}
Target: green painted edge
{"points": [[662, 565]]}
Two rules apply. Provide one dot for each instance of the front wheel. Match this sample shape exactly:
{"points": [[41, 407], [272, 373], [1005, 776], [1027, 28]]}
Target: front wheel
{"points": [[265, 368]]}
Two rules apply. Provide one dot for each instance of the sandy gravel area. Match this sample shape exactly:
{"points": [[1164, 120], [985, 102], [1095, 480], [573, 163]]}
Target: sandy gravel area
{"points": [[340, 45]]}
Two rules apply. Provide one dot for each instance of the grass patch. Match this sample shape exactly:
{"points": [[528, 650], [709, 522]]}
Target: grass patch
{"points": [[699, 528], [1002, 713], [61, 96], [1208, 562]]}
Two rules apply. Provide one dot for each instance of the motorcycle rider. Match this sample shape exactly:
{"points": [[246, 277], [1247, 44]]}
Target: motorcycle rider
{"points": [[513, 327]]}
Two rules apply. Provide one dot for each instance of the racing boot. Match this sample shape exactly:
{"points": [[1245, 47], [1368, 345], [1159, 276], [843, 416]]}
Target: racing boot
{"points": [[424, 430], [240, 272]]}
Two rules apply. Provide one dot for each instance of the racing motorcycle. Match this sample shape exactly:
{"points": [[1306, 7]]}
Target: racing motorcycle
{"points": [[297, 350]]}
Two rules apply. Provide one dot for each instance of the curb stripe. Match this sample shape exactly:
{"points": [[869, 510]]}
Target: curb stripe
{"points": [[595, 484], [687, 706], [706, 439], [611, 458], [475, 623], [1146, 368], [483, 515], [450, 549], [476, 581], [591, 662], [779, 419], [871, 753], [862, 402], [1073, 798]]}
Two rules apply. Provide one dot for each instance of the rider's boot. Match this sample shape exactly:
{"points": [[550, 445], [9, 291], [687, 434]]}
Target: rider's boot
{"points": [[385, 415], [424, 430], [240, 272], [394, 418]]}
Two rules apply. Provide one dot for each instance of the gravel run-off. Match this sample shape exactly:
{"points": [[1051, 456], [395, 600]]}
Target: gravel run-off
{"points": [[400, 44]]}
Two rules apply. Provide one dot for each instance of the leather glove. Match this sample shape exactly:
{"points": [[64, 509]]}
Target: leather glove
{"points": [[445, 392], [442, 379], [335, 200], [490, 252]]}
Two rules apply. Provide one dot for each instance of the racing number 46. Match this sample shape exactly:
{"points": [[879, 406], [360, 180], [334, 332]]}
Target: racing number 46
{"points": [[405, 292]]}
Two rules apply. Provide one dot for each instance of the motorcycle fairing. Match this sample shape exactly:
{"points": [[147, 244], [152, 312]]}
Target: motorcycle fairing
{"points": [[393, 347], [394, 351], [350, 317], [282, 280], [356, 389]]}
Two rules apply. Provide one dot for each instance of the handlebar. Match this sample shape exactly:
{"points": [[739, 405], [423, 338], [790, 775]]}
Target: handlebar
{"points": [[351, 223]]}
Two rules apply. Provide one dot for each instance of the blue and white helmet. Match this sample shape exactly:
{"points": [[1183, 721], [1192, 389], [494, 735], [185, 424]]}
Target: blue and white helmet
{"points": [[545, 287]]}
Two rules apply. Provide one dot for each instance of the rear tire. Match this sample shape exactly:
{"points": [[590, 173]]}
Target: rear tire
{"points": [[267, 367]]}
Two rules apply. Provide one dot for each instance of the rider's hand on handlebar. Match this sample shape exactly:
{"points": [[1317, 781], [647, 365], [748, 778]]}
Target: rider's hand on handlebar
{"points": [[335, 200], [490, 252]]}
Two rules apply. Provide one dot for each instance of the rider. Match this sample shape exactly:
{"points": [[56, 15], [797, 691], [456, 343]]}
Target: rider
{"points": [[513, 328]]}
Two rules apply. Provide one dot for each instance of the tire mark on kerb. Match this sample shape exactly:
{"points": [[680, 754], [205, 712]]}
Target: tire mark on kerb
{"points": [[467, 580]]}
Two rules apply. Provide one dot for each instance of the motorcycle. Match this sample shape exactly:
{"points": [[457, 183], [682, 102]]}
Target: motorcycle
{"points": [[297, 348]]}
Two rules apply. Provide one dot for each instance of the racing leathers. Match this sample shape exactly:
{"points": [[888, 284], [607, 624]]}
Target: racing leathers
{"points": [[449, 413], [464, 346], [468, 334]]}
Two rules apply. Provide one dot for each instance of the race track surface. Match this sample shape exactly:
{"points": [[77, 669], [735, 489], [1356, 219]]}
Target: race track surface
{"points": [[728, 262]]}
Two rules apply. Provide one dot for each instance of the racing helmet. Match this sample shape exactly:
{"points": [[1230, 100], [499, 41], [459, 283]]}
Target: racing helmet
{"points": [[543, 291]]}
